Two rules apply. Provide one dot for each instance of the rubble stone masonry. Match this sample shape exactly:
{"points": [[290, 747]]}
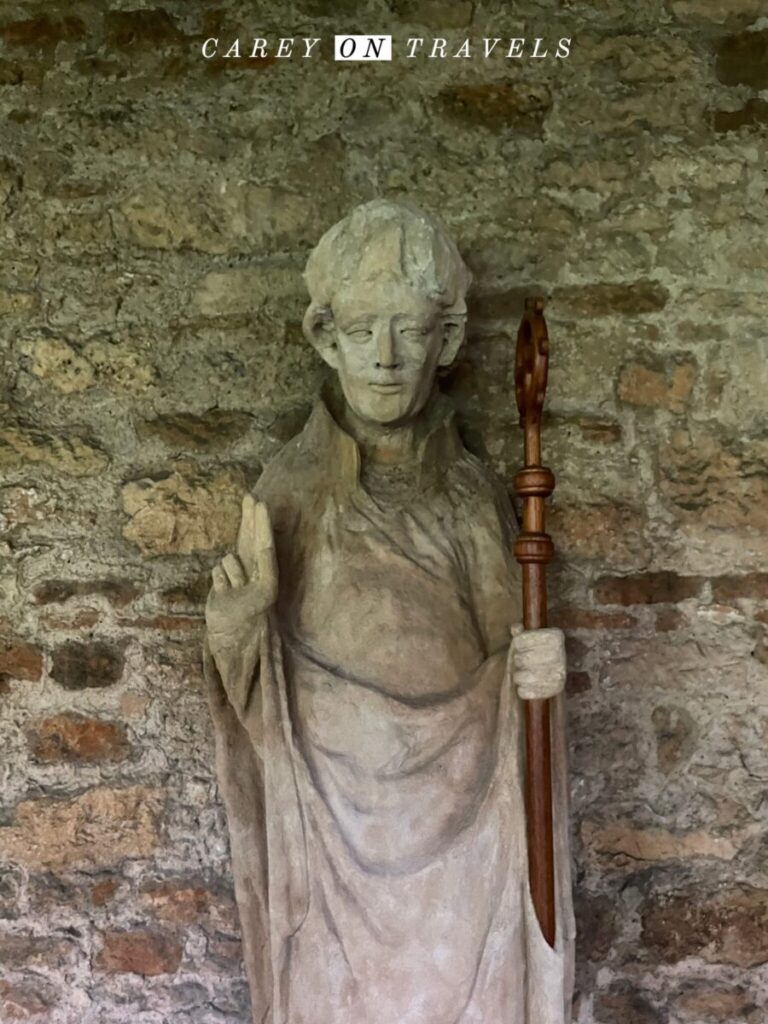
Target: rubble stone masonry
{"points": [[156, 209]]}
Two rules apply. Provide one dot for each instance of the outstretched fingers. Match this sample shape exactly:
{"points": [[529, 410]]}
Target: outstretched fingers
{"points": [[234, 570]]}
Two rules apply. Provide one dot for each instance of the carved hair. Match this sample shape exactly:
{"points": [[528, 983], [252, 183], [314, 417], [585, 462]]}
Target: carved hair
{"points": [[386, 239]]}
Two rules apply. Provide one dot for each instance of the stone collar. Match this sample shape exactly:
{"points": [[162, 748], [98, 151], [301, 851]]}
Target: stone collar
{"points": [[438, 444]]}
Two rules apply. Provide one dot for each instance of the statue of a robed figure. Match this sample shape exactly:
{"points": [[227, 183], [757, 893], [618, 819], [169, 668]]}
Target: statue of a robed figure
{"points": [[368, 669]]}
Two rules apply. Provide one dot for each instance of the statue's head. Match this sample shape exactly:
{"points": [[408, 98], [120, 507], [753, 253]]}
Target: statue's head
{"points": [[387, 289]]}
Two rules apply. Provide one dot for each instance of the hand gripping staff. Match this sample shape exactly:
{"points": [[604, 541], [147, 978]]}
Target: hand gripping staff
{"points": [[533, 549]]}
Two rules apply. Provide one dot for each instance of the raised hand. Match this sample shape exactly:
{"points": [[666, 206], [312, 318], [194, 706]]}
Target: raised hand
{"points": [[244, 584]]}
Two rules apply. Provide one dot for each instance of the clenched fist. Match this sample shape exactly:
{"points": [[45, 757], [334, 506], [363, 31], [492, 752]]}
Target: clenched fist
{"points": [[244, 585], [537, 659]]}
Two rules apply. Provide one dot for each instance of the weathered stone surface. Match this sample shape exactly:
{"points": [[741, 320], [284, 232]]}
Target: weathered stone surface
{"points": [[598, 924], [614, 533], [718, 11], [120, 367], [57, 363], [436, 14], [75, 738], [189, 901], [184, 511], [624, 844], [118, 592], [78, 666], [625, 1003], [144, 952], [730, 927], [705, 1001], [25, 1000], [676, 735], [655, 385], [71, 455], [664, 662], [100, 827], [498, 105], [632, 299], [647, 588], [148, 27], [714, 481], [212, 431], [244, 289], [19, 951], [155, 216]]}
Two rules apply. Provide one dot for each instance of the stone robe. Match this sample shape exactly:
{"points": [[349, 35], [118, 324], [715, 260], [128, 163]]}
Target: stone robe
{"points": [[369, 747]]}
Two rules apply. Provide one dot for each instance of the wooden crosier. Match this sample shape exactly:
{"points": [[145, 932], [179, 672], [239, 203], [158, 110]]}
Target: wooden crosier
{"points": [[533, 549]]}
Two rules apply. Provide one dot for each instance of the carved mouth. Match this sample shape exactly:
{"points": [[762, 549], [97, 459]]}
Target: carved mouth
{"points": [[386, 387]]}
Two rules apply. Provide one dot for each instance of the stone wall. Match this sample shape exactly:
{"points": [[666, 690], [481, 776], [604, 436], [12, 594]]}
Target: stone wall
{"points": [[155, 213]]}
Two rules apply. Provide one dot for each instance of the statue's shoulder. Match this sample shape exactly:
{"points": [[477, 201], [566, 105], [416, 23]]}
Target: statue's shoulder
{"points": [[291, 473], [480, 486], [481, 499]]}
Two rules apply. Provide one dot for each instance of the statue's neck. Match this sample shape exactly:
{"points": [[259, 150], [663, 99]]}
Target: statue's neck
{"points": [[382, 444]]}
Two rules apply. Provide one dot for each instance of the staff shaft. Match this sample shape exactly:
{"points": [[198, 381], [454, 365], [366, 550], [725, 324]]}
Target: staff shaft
{"points": [[533, 549]]}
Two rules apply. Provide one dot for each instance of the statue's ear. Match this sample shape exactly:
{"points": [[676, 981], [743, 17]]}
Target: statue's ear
{"points": [[453, 336], [320, 331]]}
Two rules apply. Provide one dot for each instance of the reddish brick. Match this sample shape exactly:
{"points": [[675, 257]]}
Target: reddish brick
{"points": [[498, 105], [144, 952], [102, 892], [646, 588], [42, 32], [165, 623], [730, 927], [577, 682], [20, 660], [569, 617], [669, 619], [187, 901], [74, 738], [742, 59], [118, 592], [754, 114], [752, 585], [188, 595]]}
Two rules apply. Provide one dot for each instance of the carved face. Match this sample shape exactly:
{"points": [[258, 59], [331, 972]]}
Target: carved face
{"points": [[386, 341]]}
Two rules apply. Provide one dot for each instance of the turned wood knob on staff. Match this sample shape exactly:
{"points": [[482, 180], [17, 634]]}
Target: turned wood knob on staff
{"points": [[533, 549]]}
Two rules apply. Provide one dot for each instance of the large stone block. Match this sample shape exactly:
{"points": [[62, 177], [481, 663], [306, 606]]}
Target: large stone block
{"points": [[184, 511], [98, 828]]}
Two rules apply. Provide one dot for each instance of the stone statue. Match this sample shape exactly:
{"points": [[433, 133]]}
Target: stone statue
{"points": [[366, 667]]}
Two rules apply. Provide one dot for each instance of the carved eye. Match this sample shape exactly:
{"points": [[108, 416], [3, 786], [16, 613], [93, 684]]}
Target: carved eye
{"points": [[359, 333]]}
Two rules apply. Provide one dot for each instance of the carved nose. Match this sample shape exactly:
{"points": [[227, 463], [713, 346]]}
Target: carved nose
{"points": [[387, 357]]}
